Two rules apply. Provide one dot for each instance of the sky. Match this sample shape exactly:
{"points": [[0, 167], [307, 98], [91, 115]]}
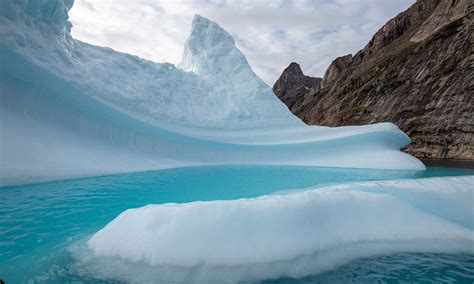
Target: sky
{"points": [[270, 33]]}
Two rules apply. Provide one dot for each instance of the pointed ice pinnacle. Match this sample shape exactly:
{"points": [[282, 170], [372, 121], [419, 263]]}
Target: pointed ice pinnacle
{"points": [[210, 49], [211, 53]]}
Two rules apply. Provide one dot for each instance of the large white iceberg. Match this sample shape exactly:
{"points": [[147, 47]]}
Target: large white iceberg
{"points": [[71, 109], [290, 235]]}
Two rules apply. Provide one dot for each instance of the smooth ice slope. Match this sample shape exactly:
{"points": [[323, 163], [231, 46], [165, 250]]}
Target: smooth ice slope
{"points": [[293, 234], [70, 109]]}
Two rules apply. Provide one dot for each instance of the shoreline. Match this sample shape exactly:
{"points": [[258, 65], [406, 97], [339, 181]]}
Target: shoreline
{"points": [[449, 163]]}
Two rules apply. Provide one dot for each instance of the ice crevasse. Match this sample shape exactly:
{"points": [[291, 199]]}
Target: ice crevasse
{"points": [[70, 109]]}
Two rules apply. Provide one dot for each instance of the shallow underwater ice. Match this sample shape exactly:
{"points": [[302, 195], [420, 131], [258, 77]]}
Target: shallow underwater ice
{"points": [[276, 235], [71, 109]]}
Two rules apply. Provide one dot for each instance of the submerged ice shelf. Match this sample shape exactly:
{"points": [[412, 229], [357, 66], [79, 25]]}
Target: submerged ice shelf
{"points": [[70, 109], [319, 219], [51, 222], [292, 234]]}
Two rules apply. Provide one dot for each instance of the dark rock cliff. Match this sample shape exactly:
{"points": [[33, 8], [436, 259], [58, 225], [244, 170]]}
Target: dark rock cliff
{"points": [[417, 72], [293, 85]]}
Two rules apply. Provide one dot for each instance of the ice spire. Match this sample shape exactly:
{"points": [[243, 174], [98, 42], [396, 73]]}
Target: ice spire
{"points": [[210, 49]]}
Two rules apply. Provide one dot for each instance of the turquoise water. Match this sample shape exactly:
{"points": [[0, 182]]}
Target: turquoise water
{"points": [[39, 222], [397, 268]]}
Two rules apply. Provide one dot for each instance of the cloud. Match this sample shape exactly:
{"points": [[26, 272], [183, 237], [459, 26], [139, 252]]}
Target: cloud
{"points": [[270, 33]]}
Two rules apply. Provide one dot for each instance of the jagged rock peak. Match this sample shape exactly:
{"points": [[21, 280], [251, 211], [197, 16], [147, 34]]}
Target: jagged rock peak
{"points": [[293, 83], [294, 71], [293, 68], [209, 48]]}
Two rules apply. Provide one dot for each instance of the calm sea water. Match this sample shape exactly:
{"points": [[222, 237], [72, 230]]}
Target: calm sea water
{"points": [[39, 222]]}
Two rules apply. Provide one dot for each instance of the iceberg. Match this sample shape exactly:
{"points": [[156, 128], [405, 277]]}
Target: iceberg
{"points": [[70, 109], [294, 234]]}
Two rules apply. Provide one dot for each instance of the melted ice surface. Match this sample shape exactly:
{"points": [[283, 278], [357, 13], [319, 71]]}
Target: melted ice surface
{"points": [[70, 109]]}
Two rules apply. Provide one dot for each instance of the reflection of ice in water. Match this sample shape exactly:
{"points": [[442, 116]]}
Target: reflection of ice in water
{"points": [[71, 109]]}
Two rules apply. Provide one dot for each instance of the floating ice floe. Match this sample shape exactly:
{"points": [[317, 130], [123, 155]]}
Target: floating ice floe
{"points": [[293, 234]]}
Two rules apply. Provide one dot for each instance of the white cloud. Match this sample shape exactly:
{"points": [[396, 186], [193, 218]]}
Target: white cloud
{"points": [[270, 33]]}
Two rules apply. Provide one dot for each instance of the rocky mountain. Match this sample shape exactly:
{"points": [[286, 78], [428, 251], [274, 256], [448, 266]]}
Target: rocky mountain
{"points": [[416, 71], [292, 85]]}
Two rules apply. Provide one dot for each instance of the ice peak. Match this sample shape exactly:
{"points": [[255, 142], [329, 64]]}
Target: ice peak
{"points": [[203, 28], [200, 19], [209, 48]]}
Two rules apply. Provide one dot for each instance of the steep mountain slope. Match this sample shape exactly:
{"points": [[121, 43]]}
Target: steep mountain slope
{"points": [[417, 72]]}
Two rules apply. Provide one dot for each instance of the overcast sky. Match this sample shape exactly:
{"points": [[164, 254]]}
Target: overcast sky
{"points": [[271, 33]]}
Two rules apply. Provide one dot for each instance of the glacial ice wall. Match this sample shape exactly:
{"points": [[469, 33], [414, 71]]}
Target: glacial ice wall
{"points": [[71, 109], [289, 235]]}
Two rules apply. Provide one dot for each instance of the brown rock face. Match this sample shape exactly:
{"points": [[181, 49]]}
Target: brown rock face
{"points": [[337, 67], [398, 26], [417, 72], [445, 13], [293, 85]]}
